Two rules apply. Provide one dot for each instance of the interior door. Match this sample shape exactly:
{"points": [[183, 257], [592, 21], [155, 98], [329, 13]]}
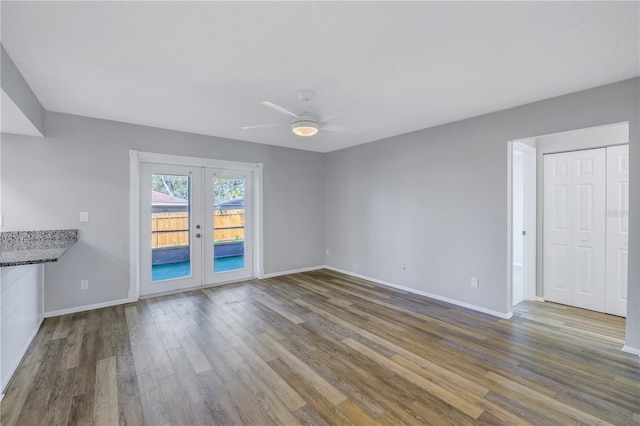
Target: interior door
{"points": [[589, 176], [617, 229], [170, 228], [228, 228], [558, 235], [574, 228]]}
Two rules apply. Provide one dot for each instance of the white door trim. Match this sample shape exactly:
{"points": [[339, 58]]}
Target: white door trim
{"points": [[137, 157], [530, 221], [617, 230], [134, 226]]}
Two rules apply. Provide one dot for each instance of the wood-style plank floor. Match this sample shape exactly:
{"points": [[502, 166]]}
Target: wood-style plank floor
{"points": [[323, 348]]}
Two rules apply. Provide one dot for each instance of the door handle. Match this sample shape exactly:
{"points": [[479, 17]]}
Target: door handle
{"points": [[524, 233], [197, 235], [197, 226]]}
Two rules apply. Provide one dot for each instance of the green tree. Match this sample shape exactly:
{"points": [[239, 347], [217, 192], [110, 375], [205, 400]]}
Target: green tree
{"points": [[226, 189], [173, 185]]}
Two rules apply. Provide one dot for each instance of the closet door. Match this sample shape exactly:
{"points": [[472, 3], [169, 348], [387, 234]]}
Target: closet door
{"points": [[558, 228], [617, 229], [574, 228], [589, 175]]}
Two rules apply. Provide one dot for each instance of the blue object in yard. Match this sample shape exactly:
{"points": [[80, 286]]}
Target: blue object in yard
{"points": [[231, 263], [168, 271], [179, 254], [231, 248], [174, 254]]}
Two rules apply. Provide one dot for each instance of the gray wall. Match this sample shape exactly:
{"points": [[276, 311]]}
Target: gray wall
{"points": [[83, 164], [435, 201], [16, 87], [595, 137]]}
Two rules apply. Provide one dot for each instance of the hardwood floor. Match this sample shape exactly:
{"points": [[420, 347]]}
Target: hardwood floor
{"points": [[323, 348]]}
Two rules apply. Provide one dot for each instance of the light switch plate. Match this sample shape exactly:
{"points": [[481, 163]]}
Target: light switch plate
{"points": [[474, 282], [84, 216]]}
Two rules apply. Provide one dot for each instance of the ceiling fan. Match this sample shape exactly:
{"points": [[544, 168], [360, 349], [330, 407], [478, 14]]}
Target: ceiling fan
{"points": [[305, 124]]}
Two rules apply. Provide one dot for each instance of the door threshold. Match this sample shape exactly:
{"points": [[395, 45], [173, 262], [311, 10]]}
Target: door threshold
{"points": [[198, 287]]}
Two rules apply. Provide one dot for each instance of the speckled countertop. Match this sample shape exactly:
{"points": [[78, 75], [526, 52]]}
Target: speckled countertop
{"points": [[31, 247]]}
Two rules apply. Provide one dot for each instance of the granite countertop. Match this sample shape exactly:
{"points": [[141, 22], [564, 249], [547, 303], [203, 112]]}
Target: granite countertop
{"points": [[31, 247]]}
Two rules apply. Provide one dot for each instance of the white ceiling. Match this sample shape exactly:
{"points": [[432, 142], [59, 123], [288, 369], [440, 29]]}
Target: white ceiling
{"points": [[202, 67]]}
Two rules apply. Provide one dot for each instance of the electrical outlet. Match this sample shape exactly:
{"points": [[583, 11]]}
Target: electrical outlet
{"points": [[84, 284], [327, 252], [474, 282], [84, 216]]}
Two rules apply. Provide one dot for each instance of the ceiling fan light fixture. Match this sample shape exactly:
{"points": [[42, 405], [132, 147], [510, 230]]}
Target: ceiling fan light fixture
{"points": [[304, 128]]}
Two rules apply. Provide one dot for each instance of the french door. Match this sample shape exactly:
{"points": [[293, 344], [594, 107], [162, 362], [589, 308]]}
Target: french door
{"points": [[195, 227], [229, 225]]}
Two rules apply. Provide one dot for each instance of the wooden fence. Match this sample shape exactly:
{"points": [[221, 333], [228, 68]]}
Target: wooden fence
{"points": [[171, 229]]}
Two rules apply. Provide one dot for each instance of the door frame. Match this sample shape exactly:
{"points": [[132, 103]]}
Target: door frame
{"points": [[137, 157], [610, 302], [530, 200]]}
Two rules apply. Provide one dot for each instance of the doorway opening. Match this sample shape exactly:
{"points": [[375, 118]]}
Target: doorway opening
{"points": [[549, 206], [523, 190], [194, 222]]}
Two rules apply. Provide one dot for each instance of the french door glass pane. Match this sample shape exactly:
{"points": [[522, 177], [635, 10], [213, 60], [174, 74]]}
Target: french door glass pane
{"points": [[170, 209], [228, 224]]}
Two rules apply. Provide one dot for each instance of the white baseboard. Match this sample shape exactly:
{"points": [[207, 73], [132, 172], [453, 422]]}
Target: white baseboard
{"points": [[129, 300], [15, 365], [424, 293], [77, 309], [630, 350], [293, 271], [539, 299]]}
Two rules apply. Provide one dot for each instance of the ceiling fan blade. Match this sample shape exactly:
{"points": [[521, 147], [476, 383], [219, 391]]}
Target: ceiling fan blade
{"points": [[340, 112], [279, 109], [259, 126], [340, 129]]}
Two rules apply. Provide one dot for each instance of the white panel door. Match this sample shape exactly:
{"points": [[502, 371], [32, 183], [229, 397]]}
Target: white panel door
{"points": [[617, 229], [558, 227], [589, 174]]}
